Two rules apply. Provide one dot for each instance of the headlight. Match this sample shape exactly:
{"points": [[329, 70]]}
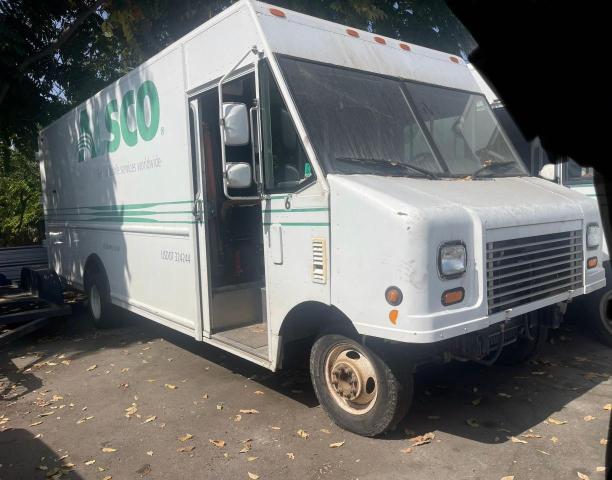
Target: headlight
{"points": [[593, 236], [452, 259]]}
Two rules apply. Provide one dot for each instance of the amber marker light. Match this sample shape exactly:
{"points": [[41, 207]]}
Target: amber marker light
{"points": [[453, 296], [394, 296], [405, 46], [592, 262], [393, 314], [277, 13], [352, 33], [454, 59], [380, 40]]}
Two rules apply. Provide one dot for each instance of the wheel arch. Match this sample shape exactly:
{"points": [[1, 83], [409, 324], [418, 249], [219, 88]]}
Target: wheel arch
{"points": [[94, 265], [305, 322]]}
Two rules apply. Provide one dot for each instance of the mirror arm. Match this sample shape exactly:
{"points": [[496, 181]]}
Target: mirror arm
{"points": [[254, 135], [253, 50]]}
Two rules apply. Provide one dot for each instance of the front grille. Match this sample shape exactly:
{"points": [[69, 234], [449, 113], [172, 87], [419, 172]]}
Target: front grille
{"points": [[523, 270]]}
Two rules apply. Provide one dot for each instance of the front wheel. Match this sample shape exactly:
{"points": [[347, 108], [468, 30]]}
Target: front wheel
{"points": [[356, 387], [599, 315]]}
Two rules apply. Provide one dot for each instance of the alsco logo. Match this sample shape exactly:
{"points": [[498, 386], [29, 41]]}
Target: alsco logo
{"points": [[145, 103]]}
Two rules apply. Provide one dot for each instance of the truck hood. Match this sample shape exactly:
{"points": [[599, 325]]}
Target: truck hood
{"points": [[498, 202]]}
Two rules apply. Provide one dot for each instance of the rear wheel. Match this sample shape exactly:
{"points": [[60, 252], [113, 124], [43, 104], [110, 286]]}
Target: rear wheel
{"points": [[99, 304], [359, 390]]}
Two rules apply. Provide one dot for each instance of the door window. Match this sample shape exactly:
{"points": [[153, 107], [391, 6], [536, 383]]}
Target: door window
{"points": [[286, 166]]}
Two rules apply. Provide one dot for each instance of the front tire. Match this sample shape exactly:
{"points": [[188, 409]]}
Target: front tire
{"points": [[524, 348], [599, 315], [99, 306], [356, 387]]}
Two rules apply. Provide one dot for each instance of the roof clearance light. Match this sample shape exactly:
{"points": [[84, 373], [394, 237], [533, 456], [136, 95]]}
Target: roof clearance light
{"points": [[352, 33], [405, 46], [380, 40], [454, 59], [277, 13]]}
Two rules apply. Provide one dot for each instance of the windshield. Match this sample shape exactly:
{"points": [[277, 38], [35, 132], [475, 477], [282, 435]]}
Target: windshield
{"points": [[364, 123]]}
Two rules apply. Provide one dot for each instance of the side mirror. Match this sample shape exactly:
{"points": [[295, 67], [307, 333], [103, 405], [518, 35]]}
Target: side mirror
{"points": [[235, 124], [548, 172], [238, 175]]}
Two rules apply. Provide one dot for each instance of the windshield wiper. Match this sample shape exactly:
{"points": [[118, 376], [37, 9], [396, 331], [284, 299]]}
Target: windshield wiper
{"points": [[389, 163], [491, 164]]}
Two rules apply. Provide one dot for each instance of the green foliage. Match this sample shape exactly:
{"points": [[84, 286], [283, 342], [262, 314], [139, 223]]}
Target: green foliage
{"points": [[21, 218], [56, 54]]}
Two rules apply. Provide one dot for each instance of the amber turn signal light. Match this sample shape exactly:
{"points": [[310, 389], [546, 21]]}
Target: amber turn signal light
{"points": [[592, 262], [453, 296], [394, 296]]}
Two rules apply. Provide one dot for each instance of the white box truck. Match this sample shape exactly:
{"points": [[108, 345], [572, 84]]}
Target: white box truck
{"points": [[273, 180]]}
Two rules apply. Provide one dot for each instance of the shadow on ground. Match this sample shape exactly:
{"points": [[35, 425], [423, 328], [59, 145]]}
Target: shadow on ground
{"points": [[484, 404]]}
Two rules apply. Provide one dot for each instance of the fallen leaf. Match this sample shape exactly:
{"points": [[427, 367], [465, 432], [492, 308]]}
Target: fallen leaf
{"points": [[35, 423], [406, 450], [508, 477], [258, 392], [556, 422], [217, 443], [189, 448], [336, 444], [303, 434], [531, 435], [125, 370], [248, 411], [237, 418], [554, 439], [93, 367], [144, 470], [582, 476], [516, 440], [131, 410], [205, 396], [170, 386], [275, 428], [150, 453], [423, 439], [108, 477], [253, 476], [600, 469], [325, 430], [542, 451], [220, 406], [109, 450], [589, 418], [90, 462], [247, 446], [290, 455], [472, 422], [608, 406], [603, 441], [184, 438]]}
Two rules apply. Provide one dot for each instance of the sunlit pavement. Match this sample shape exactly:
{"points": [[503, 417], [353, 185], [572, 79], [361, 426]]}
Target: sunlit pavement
{"points": [[142, 401]]}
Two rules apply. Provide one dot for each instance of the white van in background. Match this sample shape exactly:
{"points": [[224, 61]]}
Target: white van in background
{"points": [[595, 307], [275, 184]]}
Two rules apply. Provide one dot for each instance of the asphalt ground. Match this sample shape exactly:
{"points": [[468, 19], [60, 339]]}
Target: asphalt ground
{"points": [[143, 401]]}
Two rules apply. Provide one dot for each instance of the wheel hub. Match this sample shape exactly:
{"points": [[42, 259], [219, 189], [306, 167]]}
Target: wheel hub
{"points": [[351, 378], [345, 381]]}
